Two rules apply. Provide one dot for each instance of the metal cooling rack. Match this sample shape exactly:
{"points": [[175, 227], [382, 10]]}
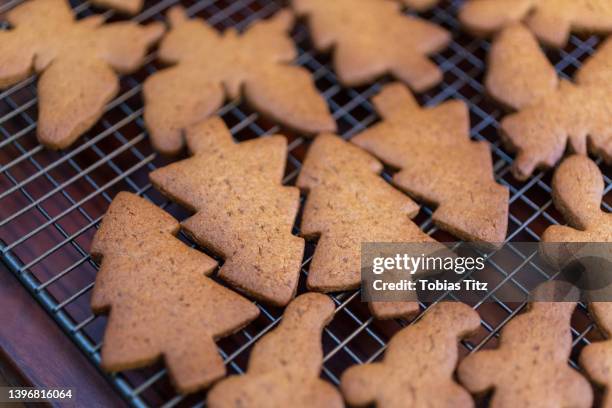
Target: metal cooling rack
{"points": [[51, 202]]}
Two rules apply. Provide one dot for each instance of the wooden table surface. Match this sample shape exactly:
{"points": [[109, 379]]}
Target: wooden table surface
{"points": [[34, 351]]}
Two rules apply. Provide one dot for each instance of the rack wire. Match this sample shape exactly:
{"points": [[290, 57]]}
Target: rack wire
{"points": [[52, 202]]}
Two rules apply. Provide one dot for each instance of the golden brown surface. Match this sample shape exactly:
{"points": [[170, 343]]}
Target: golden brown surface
{"points": [[574, 115], [371, 38], [519, 72], [550, 20], [161, 301], [596, 358], [78, 62], [417, 370], [285, 364], [208, 66], [349, 203], [578, 188], [243, 212], [530, 368], [439, 163]]}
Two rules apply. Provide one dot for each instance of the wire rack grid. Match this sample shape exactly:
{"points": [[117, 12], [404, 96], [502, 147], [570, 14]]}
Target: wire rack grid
{"points": [[52, 202]]}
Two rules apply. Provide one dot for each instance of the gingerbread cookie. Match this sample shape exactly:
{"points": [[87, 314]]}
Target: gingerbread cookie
{"points": [[349, 203], [130, 7], [578, 188], [519, 72], [577, 192], [417, 370], [529, 368], [285, 364], [161, 302], [550, 20], [243, 212], [571, 113], [439, 163], [208, 66], [371, 38], [78, 62], [596, 358]]}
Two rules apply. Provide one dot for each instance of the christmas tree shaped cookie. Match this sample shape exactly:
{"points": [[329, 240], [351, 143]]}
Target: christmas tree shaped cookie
{"points": [[439, 164], [529, 368], [371, 38], [550, 20], [162, 304], [78, 63], [285, 364], [348, 204], [208, 66], [418, 366], [242, 211]]}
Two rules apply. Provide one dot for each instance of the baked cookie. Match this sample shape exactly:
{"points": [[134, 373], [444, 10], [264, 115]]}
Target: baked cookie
{"points": [[550, 20], [243, 212], [518, 73], [439, 163], [130, 7], [417, 370], [529, 368], [161, 301], [285, 364], [577, 192], [596, 358], [78, 63], [578, 188], [371, 38], [552, 113], [348, 203], [209, 66]]}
